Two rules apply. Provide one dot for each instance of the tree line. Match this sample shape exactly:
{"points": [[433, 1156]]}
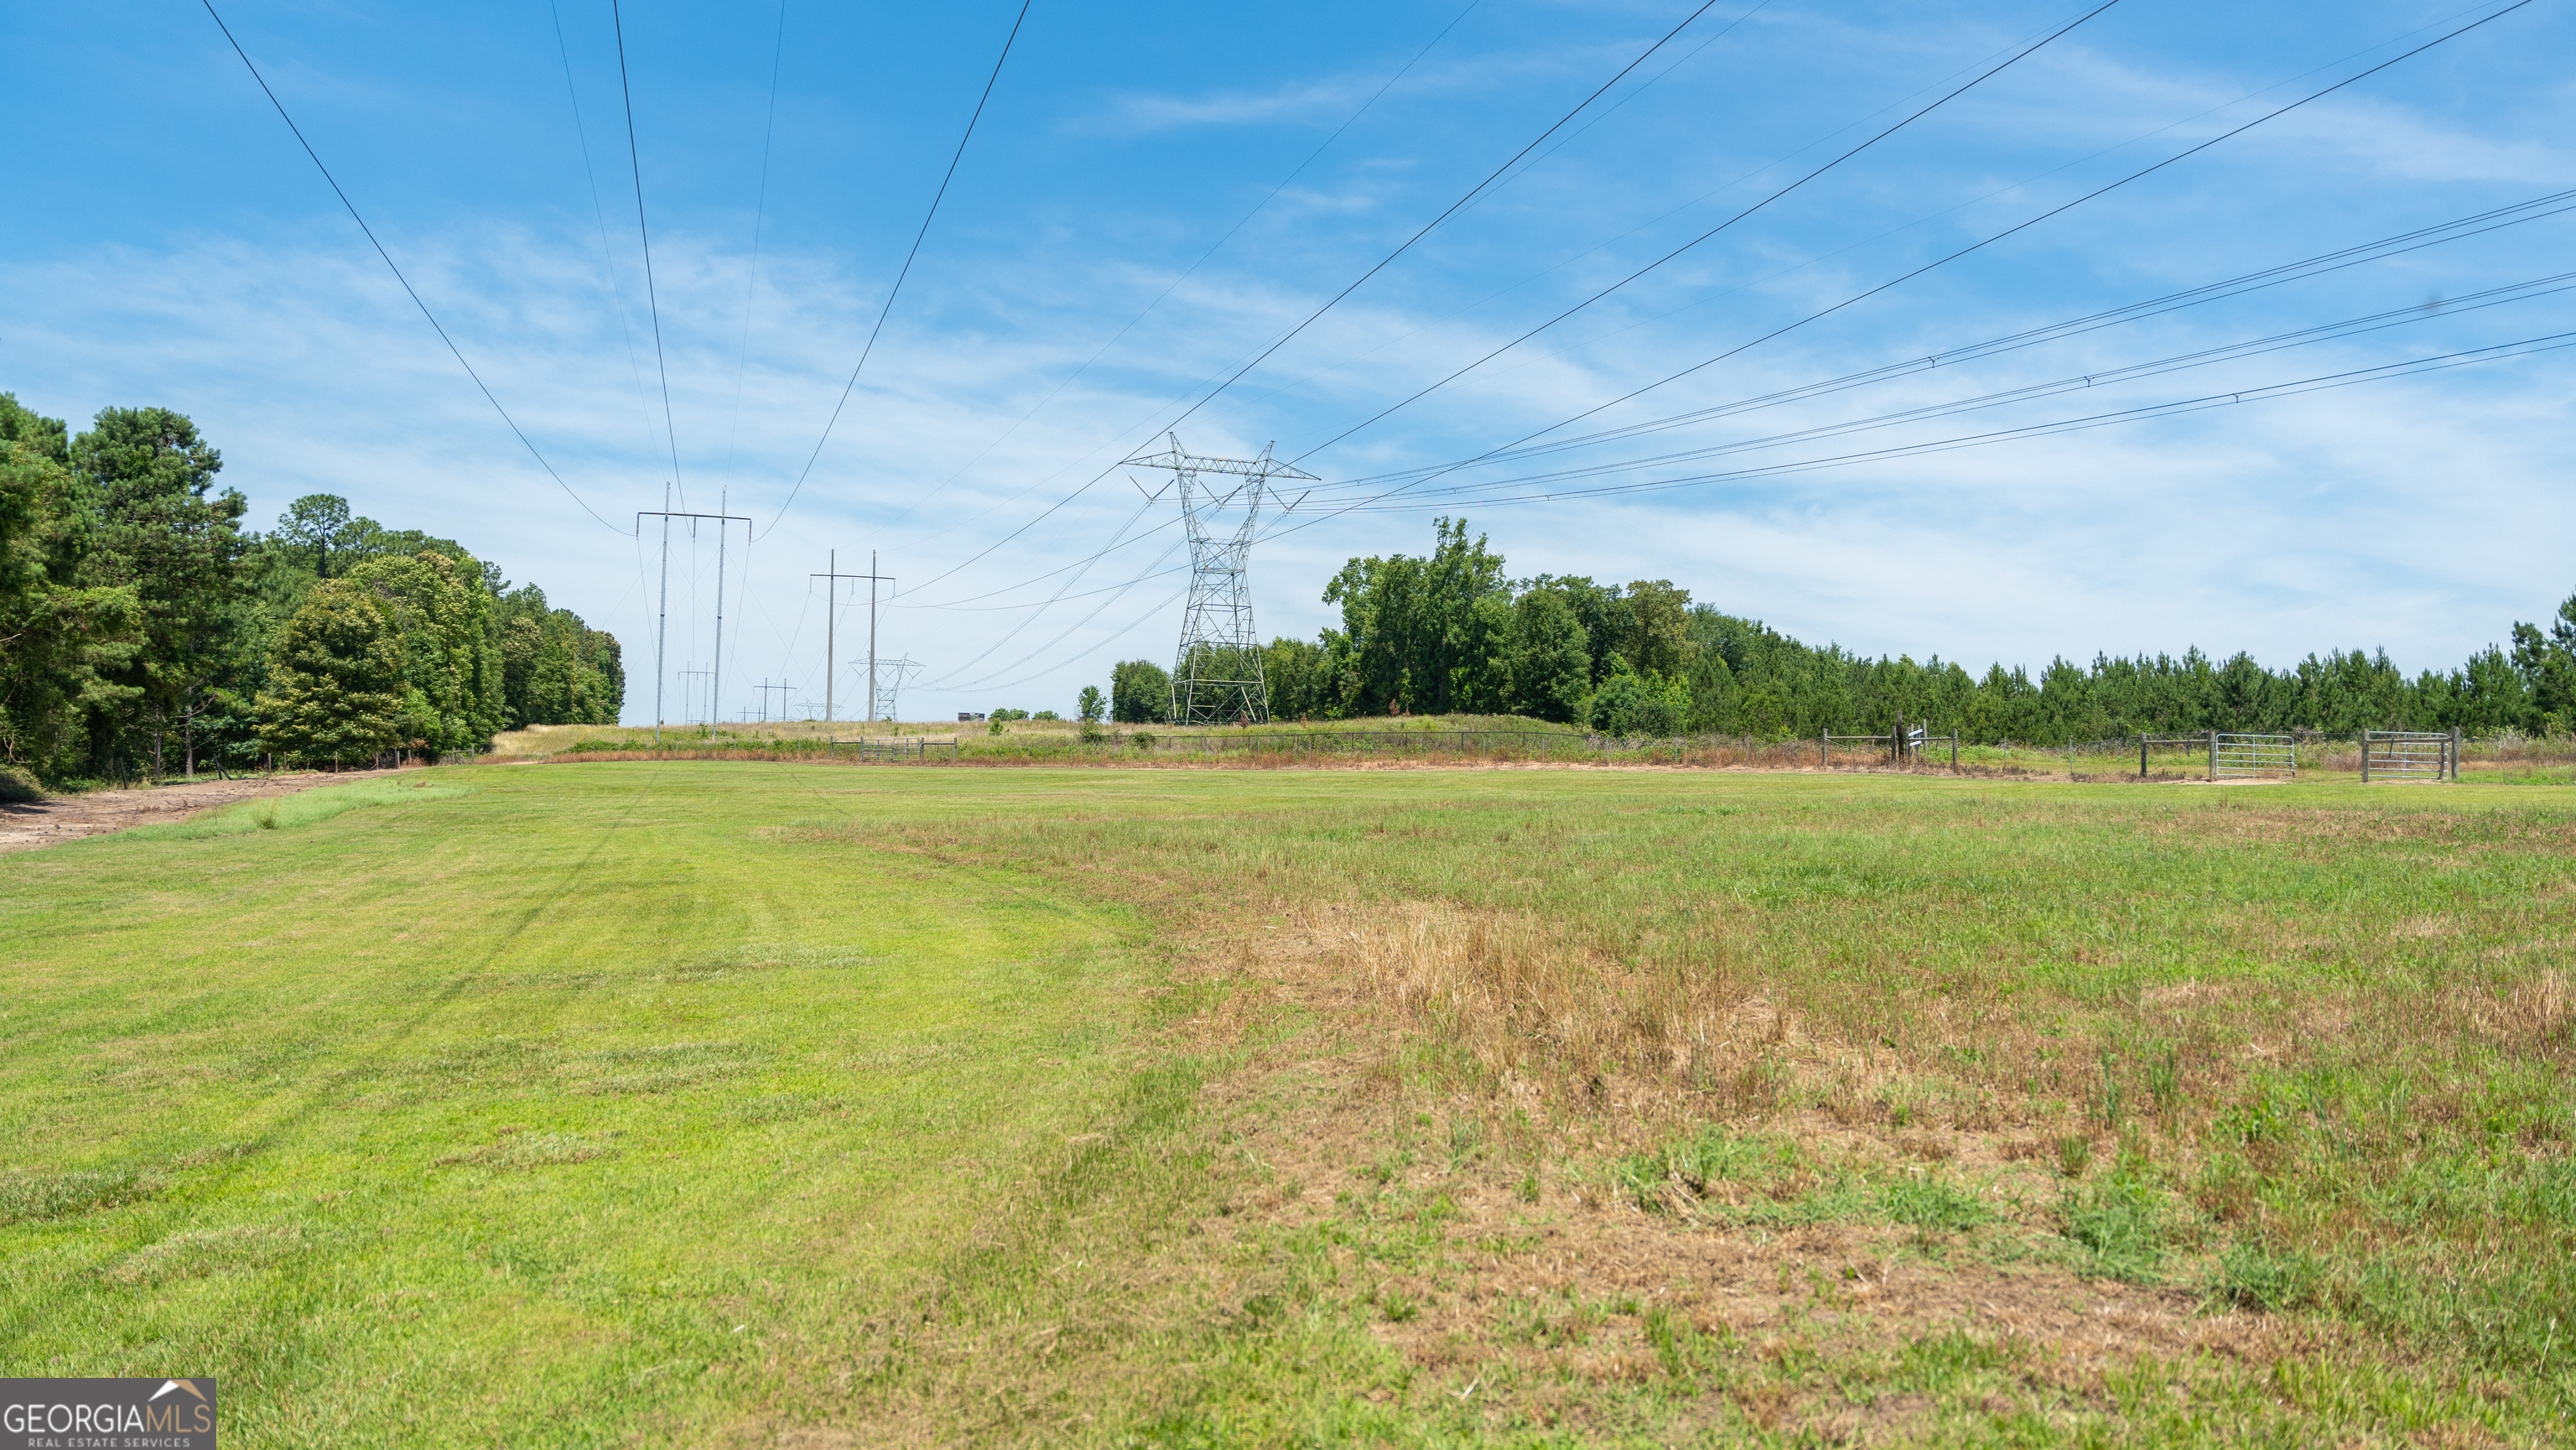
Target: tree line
{"points": [[1452, 633], [144, 630]]}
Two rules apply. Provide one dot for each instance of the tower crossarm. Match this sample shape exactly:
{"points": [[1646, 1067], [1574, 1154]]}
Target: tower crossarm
{"points": [[1180, 462]]}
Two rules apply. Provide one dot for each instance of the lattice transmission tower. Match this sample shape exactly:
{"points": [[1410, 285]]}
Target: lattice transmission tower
{"points": [[1216, 677]]}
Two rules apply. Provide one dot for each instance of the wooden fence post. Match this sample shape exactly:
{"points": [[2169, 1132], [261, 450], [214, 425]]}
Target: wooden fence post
{"points": [[1954, 750], [2213, 755], [2365, 757], [2142, 757]]}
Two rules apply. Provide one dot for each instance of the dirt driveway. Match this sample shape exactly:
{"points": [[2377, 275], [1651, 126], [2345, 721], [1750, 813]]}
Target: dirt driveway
{"points": [[93, 813]]}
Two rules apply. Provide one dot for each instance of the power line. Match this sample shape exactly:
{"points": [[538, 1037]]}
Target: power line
{"points": [[2537, 209], [759, 213], [1337, 297], [599, 215], [2532, 290], [1713, 231], [2415, 239], [1966, 250], [2524, 347], [1213, 248], [397, 271], [635, 160], [897, 289]]}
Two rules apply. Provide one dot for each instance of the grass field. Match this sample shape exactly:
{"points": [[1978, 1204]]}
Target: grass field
{"points": [[765, 1104]]}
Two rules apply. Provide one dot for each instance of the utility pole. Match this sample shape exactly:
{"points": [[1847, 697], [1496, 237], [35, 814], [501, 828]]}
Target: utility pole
{"points": [[662, 620], [782, 687], [831, 618], [689, 697]]}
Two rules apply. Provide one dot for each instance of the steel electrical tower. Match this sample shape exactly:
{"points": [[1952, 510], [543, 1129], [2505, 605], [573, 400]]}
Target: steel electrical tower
{"points": [[1216, 678]]}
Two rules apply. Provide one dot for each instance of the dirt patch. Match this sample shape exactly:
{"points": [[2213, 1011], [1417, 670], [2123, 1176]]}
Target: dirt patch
{"points": [[95, 813]]}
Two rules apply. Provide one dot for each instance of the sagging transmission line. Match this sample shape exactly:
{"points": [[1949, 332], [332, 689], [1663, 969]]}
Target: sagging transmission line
{"points": [[2400, 244], [635, 162], [408, 290], [906, 271], [1942, 261], [1311, 318], [2007, 63]]}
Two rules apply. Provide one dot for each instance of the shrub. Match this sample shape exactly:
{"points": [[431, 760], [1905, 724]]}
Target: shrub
{"points": [[1647, 706], [17, 787]]}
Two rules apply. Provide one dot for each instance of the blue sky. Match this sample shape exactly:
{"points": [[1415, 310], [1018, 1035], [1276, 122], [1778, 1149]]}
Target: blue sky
{"points": [[169, 244]]}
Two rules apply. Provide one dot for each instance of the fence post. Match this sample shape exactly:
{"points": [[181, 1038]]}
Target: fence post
{"points": [[1824, 750], [2455, 755], [2142, 757], [1896, 743], [1954, 750], [2365, 757], [2213, 755]]}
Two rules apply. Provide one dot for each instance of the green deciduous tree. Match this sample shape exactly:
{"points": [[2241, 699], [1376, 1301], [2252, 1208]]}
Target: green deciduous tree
{"points": [[1140, 693], [1547, 660], [1424, 636], [452, 671], [1635, 706], [1092, 706], [336, 679]]}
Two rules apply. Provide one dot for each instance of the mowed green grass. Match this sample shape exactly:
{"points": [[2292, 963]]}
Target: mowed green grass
{"points": [[538, 1114], [686, 1102]]}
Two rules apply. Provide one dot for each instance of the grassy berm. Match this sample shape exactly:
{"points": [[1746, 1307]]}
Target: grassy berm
{"points": [[703, 1103]]}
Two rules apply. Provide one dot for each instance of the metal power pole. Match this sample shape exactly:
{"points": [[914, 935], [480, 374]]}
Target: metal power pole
{"points": [[662, 621], [831, 577], [1217, 678]]}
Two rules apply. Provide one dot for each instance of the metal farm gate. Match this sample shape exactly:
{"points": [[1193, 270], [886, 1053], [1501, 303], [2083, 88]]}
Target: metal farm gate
{"points": [[2409, 755], [2252, 757]]}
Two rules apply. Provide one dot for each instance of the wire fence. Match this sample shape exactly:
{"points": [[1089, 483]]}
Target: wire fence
{"points": [[2375, 756]]}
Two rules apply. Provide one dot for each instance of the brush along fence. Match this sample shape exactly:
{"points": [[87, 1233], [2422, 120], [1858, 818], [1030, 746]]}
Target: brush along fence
{"points": [[2409, 755], [888, 752]]}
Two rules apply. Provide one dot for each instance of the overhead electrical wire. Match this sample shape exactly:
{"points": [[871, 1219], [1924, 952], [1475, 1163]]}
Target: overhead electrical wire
{"points": [[1963, 251], [2539, 208], [1712, 232], [1192, 270], [408, 289], [635, 160], [2427, 236], [759, 214], [599, 215], [2524, 347], [1336, 299], [1707, 300], [2553, 285], [2532, 290], [2415, 239], [897, 289], [2400, 244]]}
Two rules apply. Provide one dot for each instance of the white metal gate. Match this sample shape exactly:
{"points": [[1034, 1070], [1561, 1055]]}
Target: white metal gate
{"points": [[2252, 757]]}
